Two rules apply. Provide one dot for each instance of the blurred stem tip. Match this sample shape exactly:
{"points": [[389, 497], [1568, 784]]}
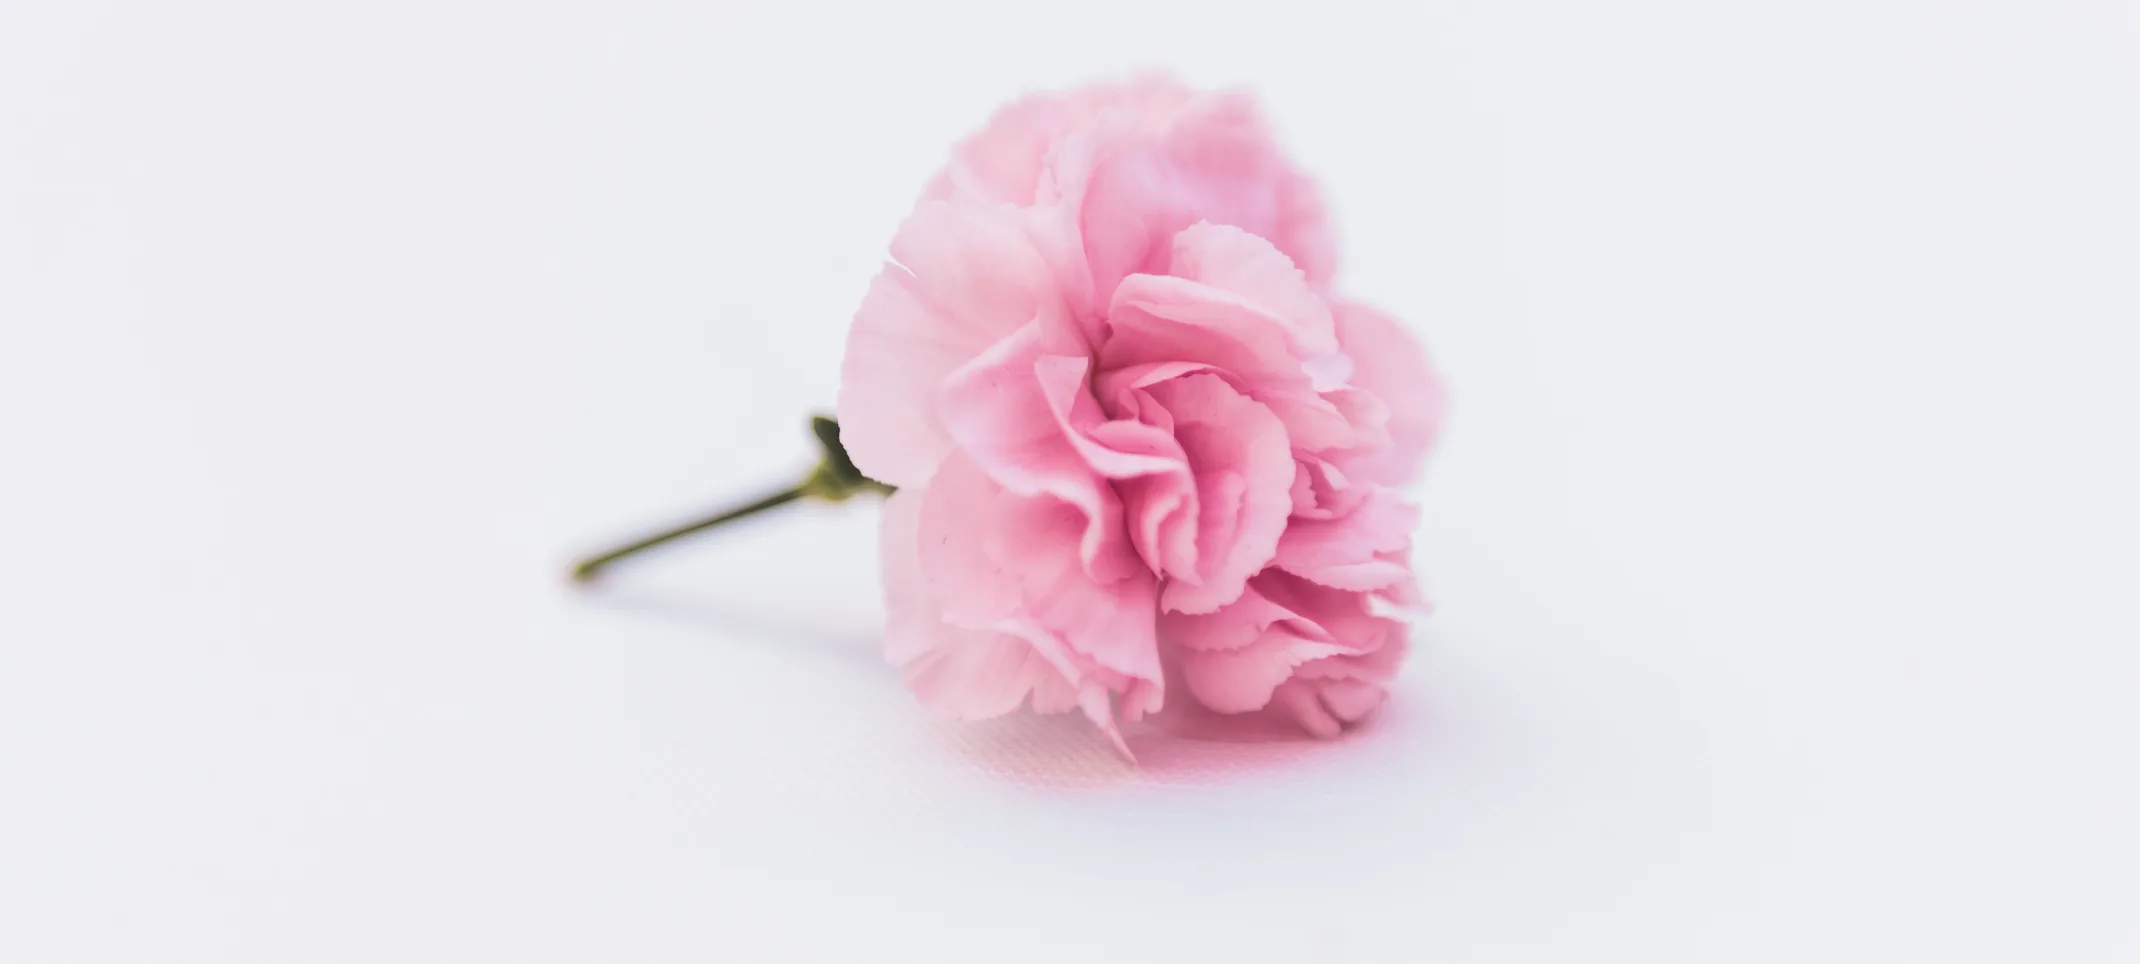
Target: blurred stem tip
{"points": [[834, 480]]}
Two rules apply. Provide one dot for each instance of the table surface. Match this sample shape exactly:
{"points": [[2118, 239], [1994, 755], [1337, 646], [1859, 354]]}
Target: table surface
{"points": [[1782, 537]]}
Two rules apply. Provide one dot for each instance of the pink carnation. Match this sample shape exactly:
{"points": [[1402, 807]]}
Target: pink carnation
{"points": [[1142, 451]]}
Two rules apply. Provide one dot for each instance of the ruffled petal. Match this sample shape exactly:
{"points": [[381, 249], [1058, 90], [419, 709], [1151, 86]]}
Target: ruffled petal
{"points": [[1253, 269], [964, 673], [1242, 680], [1157, 323], [1361, 550], [1006, 160], [1237, 624], [998, 560], [1241, 465], [1327, 696], [1311, 653], [1323, 491], [1215, 161], [1389, 362], [967, 276], [1006, 411]]}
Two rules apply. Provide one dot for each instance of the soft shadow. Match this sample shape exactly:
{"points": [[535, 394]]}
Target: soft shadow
{"points": [[847, 647], [1064, 752]]}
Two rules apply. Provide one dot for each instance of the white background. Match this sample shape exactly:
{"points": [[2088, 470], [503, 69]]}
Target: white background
{"points": [[1784, 534]]}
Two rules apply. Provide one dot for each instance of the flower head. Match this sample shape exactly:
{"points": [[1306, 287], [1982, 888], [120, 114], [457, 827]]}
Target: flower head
{"points": [[1143, 451]]}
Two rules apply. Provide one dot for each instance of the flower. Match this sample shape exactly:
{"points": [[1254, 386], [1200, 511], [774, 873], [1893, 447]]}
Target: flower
{"points": [[1142, 450]]}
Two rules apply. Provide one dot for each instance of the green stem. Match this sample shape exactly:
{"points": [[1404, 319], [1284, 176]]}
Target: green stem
{"points": [[587, 570], [834, 480]]}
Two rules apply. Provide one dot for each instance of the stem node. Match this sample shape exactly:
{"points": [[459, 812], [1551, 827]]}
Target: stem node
{"points": [[835, 479]]}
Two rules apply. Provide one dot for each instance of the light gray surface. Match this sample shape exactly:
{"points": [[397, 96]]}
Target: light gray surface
{"points": [[1782, 534]]}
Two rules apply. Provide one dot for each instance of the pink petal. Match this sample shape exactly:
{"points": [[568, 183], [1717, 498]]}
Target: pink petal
{"points": [[1327, 709], [1235, 261], [1345, 618], [1162, 509], [1322, 491], [1390, 363], [976, 675], [1006, 160], [1341, 690], [1363, 549], [1215, 161], [1283, 628], [1242, 465], [896, 360], [965, 673], [1003, 162], [1368, 416], [995, 559], [1242, 680], [1006, 411], [910, 613], [1121, 449], [1302, 703], [1352, 700], [1161, 321], [1281, 600], [968, 276], [979, 265], [1236, 625], [1116, 385]]}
